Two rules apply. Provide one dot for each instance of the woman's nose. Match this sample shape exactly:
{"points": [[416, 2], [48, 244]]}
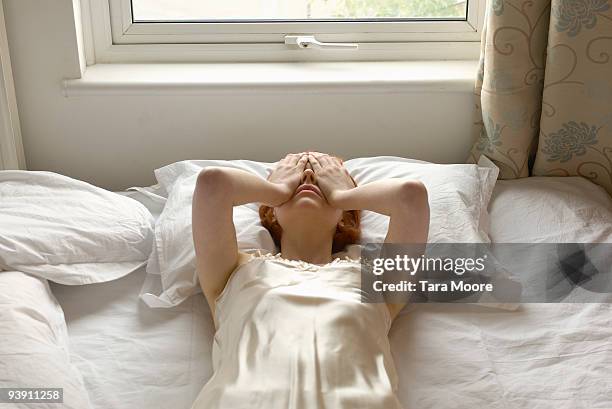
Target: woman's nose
{"points": [[308, 176]]}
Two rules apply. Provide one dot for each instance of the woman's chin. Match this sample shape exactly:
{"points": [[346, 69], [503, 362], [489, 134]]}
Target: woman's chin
{"points": [[309, 201]]}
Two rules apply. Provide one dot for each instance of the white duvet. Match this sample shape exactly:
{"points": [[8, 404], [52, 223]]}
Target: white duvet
{"points": [[34, 346], [542, 356]]}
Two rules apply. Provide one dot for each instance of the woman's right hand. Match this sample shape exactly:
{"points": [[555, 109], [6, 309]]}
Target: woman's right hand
{"points": [[288, 173], [332, 176]]}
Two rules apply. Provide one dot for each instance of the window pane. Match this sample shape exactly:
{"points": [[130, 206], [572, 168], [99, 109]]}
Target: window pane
{"points": [[205, 10]]}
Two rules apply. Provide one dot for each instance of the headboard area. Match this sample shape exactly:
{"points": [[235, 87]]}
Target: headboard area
{"points": [[117, 141]]}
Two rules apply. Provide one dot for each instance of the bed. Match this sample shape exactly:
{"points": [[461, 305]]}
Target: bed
{"points": [[447, 356]]}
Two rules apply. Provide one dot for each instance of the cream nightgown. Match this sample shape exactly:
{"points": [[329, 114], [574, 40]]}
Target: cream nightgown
{"points": [[294, 335]]}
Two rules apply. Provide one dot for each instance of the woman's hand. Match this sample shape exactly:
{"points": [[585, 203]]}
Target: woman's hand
{"points": [[332, 178], [288, 172]]}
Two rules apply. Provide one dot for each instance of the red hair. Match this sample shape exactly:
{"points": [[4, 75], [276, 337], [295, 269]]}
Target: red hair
{"points": [[348, 230]]}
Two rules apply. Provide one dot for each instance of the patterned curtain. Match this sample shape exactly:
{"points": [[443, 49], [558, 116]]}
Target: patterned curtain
{"points": [[544, 87]]}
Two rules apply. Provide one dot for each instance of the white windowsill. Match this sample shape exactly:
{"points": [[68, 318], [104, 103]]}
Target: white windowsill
{"points": [[274, 78]]}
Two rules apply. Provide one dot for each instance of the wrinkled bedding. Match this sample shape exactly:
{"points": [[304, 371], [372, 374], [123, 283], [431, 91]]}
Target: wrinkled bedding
{"points": [[540, 356], [132, 356], [34, 345], [447, 356]]}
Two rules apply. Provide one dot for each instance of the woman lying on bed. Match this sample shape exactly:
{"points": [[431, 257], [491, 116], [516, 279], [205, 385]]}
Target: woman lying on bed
{"points": [[292, 331]]}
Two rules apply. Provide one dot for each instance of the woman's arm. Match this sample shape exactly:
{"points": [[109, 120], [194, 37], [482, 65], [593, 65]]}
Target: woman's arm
{"points": [[404, 201], [217, 191]]}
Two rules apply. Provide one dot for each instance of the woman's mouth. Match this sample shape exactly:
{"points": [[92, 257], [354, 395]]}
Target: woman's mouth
{"points": [[307, 187]]}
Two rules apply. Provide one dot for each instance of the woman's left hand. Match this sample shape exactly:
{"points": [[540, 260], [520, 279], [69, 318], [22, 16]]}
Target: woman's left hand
{"points": [[332, 178]]}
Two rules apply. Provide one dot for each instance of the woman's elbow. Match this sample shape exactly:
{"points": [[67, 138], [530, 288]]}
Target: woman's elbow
{"points": [[413, 194], [213, 181]]}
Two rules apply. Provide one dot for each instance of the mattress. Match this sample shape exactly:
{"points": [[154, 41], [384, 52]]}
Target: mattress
{"points": [[447, 355]]}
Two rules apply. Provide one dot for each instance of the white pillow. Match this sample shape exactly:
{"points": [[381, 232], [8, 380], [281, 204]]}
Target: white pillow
{"points": [[551, 210], [170, 174], [34, 348], [173, 255], [459, 195], [69, 231]]}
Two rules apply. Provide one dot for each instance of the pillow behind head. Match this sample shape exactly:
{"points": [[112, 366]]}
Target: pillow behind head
{"points": [[173, 256], [458, 197], [458, 194]]}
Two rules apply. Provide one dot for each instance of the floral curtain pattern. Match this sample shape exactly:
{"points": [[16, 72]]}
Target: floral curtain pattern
{"points": [[544, 87], [509, 83], [576, 122]]}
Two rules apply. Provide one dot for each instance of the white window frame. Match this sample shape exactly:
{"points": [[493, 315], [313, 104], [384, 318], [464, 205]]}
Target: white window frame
{"points": [[112, 36]]}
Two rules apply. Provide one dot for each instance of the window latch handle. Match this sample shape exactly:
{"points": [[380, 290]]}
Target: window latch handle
{"points": [[309, 41]]}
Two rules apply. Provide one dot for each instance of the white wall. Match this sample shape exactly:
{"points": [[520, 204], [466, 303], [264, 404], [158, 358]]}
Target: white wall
{"points": [[11, 148], [116, 142]]}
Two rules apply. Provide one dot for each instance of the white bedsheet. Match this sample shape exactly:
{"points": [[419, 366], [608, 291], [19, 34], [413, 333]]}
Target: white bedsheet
{"points": [[132, 356], [540, 356], [448, 356]]}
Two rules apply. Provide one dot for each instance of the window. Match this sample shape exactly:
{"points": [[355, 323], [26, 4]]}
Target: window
{"points": [[259, 30], [308, 10]]}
